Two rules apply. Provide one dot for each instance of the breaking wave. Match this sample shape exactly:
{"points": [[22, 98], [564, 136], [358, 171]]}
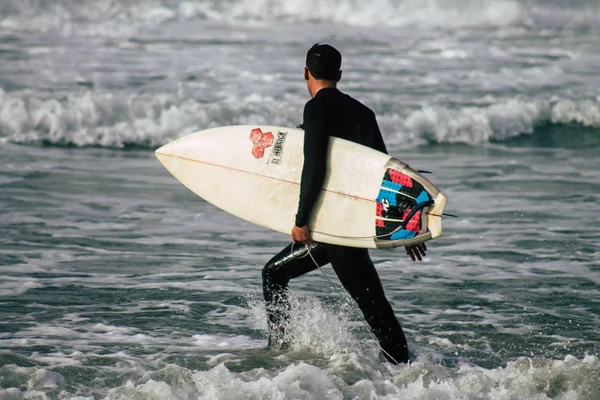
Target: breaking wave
{"points": [[524, 378], [124, 121], [498, 122], [113, 17]]}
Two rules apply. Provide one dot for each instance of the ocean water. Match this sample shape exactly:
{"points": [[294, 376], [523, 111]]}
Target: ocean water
{"points": [[116, 282]]}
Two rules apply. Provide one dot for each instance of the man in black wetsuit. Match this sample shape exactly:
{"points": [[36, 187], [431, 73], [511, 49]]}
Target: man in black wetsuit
{"points": [[332, 113]]}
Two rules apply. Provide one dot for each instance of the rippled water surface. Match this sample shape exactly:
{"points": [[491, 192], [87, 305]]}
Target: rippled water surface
{"points": [[116, 282]]}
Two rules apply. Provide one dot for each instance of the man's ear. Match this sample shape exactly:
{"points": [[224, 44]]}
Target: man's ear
{"points": [[306, 73], [339, 76]]}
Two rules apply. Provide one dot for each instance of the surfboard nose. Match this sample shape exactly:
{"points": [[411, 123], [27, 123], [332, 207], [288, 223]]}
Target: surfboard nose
{"points": [[165, 155], [166, 148]]}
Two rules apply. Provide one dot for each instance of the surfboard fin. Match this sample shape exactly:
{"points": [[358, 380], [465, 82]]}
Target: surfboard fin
{"points": [[444, 215]]}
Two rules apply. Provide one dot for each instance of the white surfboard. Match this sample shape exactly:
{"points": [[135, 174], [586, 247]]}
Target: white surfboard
{"points": [[369, 199]]}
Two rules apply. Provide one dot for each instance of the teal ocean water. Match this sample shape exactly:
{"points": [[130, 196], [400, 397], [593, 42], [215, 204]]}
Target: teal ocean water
{"points": [[116, 282]]}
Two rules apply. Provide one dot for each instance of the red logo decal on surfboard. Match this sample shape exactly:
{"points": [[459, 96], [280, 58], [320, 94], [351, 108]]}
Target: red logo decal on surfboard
{"points": [[261, 141], [415, 222]]}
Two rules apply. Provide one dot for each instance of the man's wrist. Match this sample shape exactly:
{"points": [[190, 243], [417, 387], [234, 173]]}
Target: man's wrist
{"points": [[300, 221]]}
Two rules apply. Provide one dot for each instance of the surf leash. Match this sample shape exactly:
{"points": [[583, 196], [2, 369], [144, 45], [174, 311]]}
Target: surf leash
{"points": [[308, 249]]}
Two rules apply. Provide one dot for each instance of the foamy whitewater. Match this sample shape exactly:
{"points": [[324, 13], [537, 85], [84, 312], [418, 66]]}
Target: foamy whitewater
{"points": [[116, 282]]}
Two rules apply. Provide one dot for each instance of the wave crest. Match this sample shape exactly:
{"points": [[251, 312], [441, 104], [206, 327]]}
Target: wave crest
{"points": [[497, 122], [123, 121], [115, 18]]}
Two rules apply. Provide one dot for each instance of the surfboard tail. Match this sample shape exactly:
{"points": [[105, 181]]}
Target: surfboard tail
{"points": [[434, 216]]}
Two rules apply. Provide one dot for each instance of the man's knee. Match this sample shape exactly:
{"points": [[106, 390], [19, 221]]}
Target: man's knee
{"points": [[271, 275]]}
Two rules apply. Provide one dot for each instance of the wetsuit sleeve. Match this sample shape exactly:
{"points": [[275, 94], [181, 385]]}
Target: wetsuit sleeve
{"points": [[378, 143], [316, 143]]}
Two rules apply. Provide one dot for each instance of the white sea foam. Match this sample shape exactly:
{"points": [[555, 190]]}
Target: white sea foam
{"points": [[11, 286], [498, 121], [112, 17], [346, 377], [331, 357], [109, 120], [116, 121]]}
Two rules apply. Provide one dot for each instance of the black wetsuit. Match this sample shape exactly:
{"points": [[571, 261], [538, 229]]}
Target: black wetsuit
{"points": [[332, 113]]}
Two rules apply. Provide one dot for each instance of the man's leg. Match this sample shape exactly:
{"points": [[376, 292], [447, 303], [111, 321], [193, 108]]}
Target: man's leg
{"points": [[357, 273], [276, 275]]}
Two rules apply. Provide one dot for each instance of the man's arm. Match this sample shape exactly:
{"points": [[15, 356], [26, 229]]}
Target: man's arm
{"points": [[316, 143]]}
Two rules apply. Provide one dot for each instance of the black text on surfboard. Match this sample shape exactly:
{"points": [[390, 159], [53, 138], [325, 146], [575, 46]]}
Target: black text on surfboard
{"points": [[277, 152]]}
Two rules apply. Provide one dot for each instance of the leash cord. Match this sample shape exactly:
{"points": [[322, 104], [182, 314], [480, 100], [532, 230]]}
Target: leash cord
{"points": [[344, 298]]}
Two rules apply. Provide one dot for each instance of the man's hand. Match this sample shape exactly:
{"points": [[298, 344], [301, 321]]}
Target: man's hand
{"points": [[416, 251], [301, 234]]}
